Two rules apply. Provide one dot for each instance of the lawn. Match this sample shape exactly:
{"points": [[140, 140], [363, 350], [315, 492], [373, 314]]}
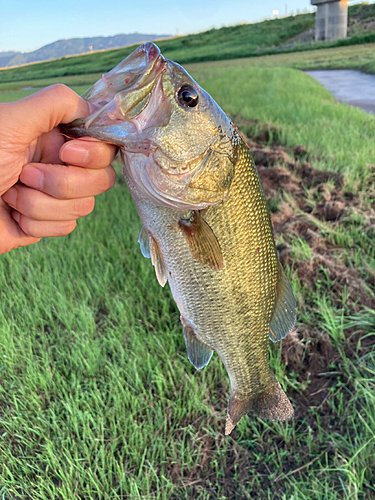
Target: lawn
{"points": [[98, 398]]}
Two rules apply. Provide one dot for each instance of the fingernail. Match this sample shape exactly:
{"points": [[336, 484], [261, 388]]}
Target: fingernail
{"points": [[10, 197], [74, 154], [32, 177]]}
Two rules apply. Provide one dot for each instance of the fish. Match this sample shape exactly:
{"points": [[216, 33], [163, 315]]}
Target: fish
{"points": [[206, 223]]}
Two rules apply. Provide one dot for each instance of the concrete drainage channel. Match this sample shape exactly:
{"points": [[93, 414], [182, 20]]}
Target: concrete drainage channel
{"points": [[349, 86]]}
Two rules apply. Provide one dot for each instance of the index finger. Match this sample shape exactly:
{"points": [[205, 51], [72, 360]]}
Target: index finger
{"points": [[44, 110]]}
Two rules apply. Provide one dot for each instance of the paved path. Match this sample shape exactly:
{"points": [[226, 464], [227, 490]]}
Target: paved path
{"points": [[353, 87]]}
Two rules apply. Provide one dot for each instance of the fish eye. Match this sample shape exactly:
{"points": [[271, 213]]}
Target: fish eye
{"points": [[188, 96]]}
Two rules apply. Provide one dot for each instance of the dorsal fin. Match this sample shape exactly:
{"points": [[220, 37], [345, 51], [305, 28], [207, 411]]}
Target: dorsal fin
{"points": [[284, 314], [157, 261], [144, 242], [203, 244], [198, 353]]}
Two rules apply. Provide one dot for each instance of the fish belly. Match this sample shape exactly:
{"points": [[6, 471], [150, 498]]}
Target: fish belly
{"points": [[229, 310]]}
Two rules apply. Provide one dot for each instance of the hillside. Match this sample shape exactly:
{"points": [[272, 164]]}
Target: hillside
{"points": [[271, 36], [361, 19], [224, 43], [361, 22], [74, 46]]}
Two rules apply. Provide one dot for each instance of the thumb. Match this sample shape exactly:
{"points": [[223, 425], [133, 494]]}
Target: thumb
{"points": [[44, 110]]}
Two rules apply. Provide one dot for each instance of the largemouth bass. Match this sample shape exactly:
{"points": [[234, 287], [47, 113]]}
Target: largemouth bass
{"points": [[206, 223]]}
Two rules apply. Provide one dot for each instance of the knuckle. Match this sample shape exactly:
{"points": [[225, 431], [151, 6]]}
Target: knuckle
{"points": [[59, 90], [59, 183], [28, 208], [63, 188], [34, 210], [64, 184], [29, 227]]}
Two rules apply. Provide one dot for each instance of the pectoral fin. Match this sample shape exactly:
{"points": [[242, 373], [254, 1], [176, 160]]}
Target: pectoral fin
{"points": [[157, 261], [284, 314], [198, 353], [203, 244], [144, 242]]}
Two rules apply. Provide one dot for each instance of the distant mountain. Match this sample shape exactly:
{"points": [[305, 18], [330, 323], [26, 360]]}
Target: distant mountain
{"points": [[74, 46], [5, 57]]}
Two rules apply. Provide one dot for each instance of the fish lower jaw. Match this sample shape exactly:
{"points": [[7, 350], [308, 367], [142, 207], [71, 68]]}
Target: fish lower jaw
{"points": [[147, 179]]}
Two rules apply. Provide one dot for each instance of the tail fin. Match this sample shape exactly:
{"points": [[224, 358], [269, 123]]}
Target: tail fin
{"points": [[272, 404]]}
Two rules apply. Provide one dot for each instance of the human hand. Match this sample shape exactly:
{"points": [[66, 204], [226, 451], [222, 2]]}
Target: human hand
{"points": [[39, 195]]}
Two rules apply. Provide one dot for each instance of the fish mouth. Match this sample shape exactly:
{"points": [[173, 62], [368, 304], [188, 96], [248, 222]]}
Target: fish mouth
{"points": [[133, 71], [130, 98]]}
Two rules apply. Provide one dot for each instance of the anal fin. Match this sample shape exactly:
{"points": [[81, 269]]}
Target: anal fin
{"points": [[157, 262], [284, 314], [198, 353], [203, 244]]}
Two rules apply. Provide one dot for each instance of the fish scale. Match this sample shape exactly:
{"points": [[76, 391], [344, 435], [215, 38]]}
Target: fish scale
{"points": [[230, 309], [206, 223]]}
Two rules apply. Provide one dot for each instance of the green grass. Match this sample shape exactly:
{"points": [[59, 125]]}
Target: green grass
{"points": [[227, 42], [363, 10], [337, 136], [357, 57], [243, 40], [10, 95], [298, 107], [97, 397]]}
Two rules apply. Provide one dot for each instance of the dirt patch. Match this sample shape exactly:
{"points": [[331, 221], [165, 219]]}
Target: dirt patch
{"points": [[310, 205], [316, 199], [319, 203]]}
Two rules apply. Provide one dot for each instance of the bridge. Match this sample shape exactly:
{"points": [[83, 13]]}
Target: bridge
{"points": [[331, 20]]}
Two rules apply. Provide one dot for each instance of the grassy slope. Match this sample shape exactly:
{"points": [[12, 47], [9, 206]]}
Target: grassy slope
{"points": [[302, 108], [227, 42], [332, 149], [224, 43], [97, 397], [358, 57]]}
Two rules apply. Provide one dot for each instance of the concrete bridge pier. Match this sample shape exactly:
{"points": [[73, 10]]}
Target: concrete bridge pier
{"points": [[331, 21]]}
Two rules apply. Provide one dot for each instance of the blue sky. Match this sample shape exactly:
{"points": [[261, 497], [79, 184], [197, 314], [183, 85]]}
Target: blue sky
{"points": [[26, 25]]}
